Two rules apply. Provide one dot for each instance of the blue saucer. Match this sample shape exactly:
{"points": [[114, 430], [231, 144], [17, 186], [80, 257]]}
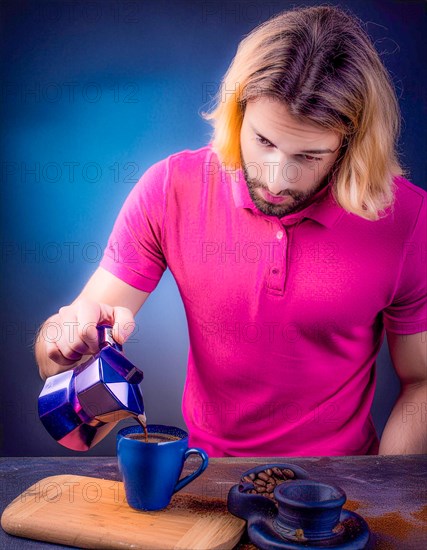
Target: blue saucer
{"points": [[355, 535], [268, 532]]}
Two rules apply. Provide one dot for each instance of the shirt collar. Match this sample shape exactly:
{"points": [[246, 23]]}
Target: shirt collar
{"points": [[322, 208]]}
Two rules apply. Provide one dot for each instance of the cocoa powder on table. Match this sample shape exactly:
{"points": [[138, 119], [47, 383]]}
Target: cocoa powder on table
{"points": [[198, 504]]}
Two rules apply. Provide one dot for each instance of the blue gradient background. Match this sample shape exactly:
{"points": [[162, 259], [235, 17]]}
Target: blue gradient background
{"points": [[141, 73]]}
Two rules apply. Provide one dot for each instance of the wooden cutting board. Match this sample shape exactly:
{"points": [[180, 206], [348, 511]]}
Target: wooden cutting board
{"points": [[90, 512]]}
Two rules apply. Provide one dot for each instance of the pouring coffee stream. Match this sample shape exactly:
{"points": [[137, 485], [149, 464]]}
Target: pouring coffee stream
{"points": [[142, 419], [81, 406]]}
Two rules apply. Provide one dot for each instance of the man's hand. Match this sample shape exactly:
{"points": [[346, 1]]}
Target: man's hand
{"points": [[406, 428], [70, 335]]}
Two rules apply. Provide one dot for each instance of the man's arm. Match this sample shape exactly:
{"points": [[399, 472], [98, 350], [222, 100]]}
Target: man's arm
{"points": [[117, 299], [406, 428]]}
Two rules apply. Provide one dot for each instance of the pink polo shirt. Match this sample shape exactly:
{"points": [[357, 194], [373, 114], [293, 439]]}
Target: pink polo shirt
{"points": [[285, 316]]}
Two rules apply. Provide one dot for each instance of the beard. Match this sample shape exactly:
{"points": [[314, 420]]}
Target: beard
{"points": [[298, 199]]}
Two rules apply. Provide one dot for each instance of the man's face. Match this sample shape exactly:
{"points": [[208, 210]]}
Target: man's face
{"points": [[285, 161]]}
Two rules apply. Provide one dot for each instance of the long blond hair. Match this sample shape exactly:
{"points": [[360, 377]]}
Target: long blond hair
{"points": [[322, 64]]}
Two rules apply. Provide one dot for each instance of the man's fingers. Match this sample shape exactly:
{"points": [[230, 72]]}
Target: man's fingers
{"points": [[72, 332], [120, 318], [124, 324], [69, 341], [54, 353], [90, 314]]}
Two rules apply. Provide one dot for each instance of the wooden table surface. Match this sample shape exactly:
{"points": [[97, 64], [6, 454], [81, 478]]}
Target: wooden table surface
{"points": [[390, 492]]}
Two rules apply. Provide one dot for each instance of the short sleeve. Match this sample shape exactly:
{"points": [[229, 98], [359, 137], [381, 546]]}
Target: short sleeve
{"points": [[134, 249], [407, 314]]}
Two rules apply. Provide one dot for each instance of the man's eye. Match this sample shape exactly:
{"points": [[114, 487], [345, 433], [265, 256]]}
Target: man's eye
{"points": [[309, 158], [264, 141]]}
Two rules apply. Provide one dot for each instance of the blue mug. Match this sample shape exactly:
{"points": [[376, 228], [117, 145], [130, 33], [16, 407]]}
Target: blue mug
{"points": [[151, 471]]}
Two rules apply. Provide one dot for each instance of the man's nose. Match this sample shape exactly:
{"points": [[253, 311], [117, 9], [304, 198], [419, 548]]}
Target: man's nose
{"points": [[277, 179]]}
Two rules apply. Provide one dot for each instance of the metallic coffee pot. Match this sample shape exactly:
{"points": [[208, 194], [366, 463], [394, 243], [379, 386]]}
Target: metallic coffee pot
{"points": [[79, 407]]}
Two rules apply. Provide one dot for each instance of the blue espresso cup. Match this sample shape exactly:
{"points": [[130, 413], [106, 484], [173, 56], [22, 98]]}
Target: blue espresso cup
{"points": [[151, 471]]}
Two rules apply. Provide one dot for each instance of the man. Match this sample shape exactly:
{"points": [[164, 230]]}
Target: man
{"points": [[295, 242]]}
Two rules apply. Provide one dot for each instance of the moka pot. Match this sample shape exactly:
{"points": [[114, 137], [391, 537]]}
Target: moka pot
{"points": [[79, 407]]}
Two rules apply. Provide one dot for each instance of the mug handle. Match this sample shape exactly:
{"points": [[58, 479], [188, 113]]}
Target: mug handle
{"points": [[186, 480]]}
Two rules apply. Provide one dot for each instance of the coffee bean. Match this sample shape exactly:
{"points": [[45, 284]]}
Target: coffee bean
{"points": [[260, 482], [277, 472], [266, 481]]}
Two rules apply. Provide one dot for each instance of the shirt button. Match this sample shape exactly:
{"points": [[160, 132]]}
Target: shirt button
{"points": [[275, 271], [279, 235]]}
